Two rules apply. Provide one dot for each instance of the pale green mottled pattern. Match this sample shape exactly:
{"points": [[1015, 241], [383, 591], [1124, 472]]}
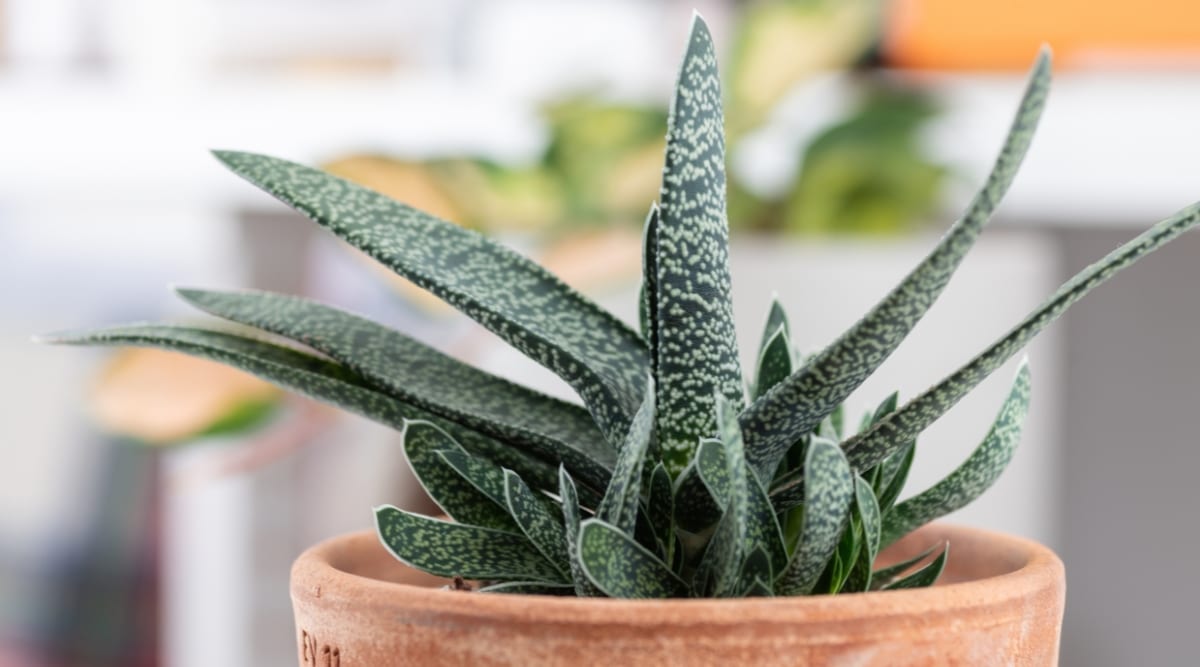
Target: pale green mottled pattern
{"points": [[571, 521], [829, 489], [457, 497], [416, 372], [793, 407], [622, 568], [517, 299], [534, 517], [975, 475], [451, 549], [620, 504], [695, 345], [480, 473], [925, 576], [899, 428]]}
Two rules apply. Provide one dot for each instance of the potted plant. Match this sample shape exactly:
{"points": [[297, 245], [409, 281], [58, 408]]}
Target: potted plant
{"points": [[673, 480]]}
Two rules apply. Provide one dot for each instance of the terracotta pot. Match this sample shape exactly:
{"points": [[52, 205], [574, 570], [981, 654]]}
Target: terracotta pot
{"points": [[1000, 602]]}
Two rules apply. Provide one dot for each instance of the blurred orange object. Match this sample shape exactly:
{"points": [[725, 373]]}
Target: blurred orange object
{"points": [[160, 397], [1006, 34]]}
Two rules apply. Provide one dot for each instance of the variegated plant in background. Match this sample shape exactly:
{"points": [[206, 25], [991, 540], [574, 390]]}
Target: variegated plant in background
{"points": [[675, 477]]}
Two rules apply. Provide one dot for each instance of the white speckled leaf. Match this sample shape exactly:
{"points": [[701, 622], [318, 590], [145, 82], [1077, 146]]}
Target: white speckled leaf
{"points": [[661, 507], [696, 346], [571, 521], [829, 488], [533, 515], [900, 427], [622, 568], [981, 469], [447, 549], [648, 296], [793, 407], [457, 497], [594, 352], [619, 506], [329, 382], [415, 372], [713, 469]]}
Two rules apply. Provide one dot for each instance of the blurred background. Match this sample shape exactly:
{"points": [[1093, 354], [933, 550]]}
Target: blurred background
{"points": [[151, 505]]}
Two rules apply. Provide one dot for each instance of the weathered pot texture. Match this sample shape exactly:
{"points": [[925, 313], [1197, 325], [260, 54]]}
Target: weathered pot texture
{"points": [[999, 602]]}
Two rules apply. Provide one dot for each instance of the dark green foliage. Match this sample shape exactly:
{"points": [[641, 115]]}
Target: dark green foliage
{"points": [[664, 483], [620, 567], [458, 498], [458, 550], [829, 489]]}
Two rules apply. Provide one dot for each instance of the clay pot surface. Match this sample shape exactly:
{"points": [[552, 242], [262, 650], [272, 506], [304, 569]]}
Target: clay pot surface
{"points": [[999, 602]]}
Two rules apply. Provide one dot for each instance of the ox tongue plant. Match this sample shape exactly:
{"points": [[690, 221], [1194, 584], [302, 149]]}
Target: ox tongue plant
{"points": [[670, 480]]}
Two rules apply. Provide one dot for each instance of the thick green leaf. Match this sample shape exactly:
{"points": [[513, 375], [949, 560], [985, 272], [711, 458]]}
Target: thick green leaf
{"points": [[774, 362], [776, 319], [798, 404], [535, 518], [457, 497], [764, 530], [619, 506], [660, 509], [325, 381], [713, 469], [894, 473], [450, 549], [571, 521], [622, 568], [866, 508], [594, 352], [845, 556], [901, 426], [733, 540], [647, 298], [695, 507], [485, 476], [417, 373], [695, 342], [755, 568], [925, 576], [886, 575], [529, 588], [975, 475], [829, 489]]}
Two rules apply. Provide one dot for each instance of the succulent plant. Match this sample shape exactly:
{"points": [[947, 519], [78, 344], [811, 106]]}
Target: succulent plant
{"points": [[673, 478]]}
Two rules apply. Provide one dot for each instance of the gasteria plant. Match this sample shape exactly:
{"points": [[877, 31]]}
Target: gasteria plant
{"points": [[673, 478]]}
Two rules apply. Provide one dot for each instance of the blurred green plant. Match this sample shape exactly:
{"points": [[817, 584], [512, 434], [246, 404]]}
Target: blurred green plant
{"points": [[865, 173]]}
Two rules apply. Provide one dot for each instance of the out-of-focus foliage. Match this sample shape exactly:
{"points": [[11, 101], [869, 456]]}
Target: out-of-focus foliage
{"points": [[864, 173]]}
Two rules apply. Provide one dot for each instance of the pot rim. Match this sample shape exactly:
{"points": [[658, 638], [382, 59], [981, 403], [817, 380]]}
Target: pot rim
{"points": [[1036, 568]]}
